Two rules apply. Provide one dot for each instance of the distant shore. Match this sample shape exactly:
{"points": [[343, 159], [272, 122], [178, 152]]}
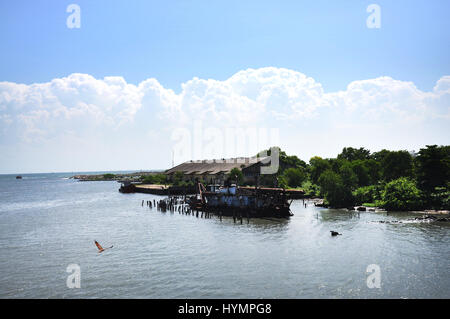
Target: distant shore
{"points": [[131, 177]]}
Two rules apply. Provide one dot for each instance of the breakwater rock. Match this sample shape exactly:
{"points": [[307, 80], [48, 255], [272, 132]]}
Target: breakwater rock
{"points": [[421, 219]]}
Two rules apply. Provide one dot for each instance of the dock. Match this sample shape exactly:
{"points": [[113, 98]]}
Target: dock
{"points": [[163, 190]]}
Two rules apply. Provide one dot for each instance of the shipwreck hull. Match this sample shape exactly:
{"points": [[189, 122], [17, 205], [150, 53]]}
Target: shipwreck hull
{"points": [[277, 212], [242, 205]]}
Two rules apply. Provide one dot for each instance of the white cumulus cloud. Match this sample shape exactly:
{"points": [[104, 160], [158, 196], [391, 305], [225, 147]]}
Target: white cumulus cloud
{"points": [[80, 109]]}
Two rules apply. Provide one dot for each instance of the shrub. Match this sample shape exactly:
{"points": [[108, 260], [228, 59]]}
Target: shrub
{"points": [[367, 194], [311, 190], [236, 175], [336, 192], [186, 183], [282, 182], [401, 194], [178, 178], [440, 198], [294, 176], [154, 179]]}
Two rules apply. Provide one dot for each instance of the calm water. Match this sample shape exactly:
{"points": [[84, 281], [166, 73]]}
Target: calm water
{"points": [[48, 222]]}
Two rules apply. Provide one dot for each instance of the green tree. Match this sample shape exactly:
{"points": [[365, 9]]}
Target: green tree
{"points": [[158, 179], [178, 178], [396, 164], [337, 163], [367, 194], [282, 182], [361, 170], [433, 167], [374, 170], [291, 161], [379, 156], [401, 194], [236, 175], [317, 166], [333, 187], [439, 199], [286, 161], [353, 154], [147, 179], [348, 176], [294, 176]]}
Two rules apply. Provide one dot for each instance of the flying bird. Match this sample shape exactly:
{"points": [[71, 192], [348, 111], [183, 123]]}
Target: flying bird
{"points": [[100, 248], [334, 233]]}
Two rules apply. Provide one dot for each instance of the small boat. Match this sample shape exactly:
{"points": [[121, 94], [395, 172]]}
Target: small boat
{"points": [[127, 187], [18, 177]]}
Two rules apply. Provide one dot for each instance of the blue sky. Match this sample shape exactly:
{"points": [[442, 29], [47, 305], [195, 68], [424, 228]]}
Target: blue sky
{"points": [[174, 41], [311, 69]]}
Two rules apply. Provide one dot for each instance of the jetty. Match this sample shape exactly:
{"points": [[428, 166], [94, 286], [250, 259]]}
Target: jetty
{"points": [[163, 190]]}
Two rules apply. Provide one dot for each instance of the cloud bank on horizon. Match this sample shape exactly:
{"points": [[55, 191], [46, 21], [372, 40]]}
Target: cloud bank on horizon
{"points": [[82, 123]]}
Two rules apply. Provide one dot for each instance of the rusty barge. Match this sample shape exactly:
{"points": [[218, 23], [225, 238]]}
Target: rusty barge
{"points": [[249, 202]]}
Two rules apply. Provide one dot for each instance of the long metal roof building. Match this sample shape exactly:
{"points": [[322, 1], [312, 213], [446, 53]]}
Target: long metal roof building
{"points": [[217, 166]]}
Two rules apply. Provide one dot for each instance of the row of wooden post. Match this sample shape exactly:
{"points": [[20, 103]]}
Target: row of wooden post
{"points": [[174, 204]]}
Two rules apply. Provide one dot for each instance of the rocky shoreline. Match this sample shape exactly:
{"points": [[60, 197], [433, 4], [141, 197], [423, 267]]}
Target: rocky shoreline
{"points": [[319, 202], [423, 219]]}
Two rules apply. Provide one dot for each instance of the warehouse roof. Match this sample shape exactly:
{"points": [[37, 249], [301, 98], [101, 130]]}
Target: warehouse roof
{"points": [[213, 167]]}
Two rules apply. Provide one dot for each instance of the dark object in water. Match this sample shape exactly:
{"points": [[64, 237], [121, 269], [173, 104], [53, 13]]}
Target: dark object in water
{"points": [[334, 233], [127, 187], [18, 177]]}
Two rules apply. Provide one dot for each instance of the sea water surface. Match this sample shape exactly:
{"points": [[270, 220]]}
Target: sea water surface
{"points": [[48, 222]]}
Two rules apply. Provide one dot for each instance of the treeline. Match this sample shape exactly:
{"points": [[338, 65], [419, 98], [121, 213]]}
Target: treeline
{"points": [[395, 180], [159, 179]]}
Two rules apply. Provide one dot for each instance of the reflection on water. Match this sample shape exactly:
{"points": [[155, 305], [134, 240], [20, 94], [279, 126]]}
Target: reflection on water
{"points": [[48, 222]]}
